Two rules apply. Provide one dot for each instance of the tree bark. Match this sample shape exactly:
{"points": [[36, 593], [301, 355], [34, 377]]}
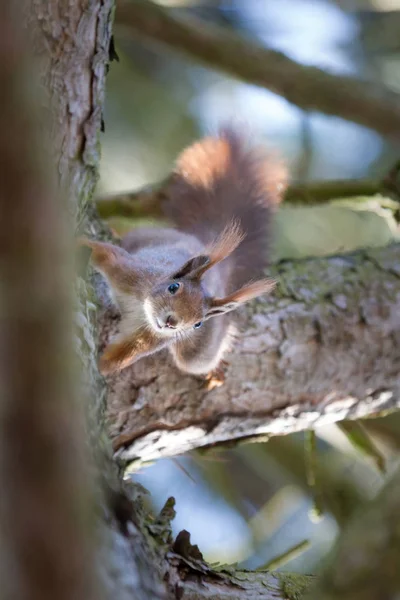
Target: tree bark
{"points": [[190, 576], [72, 40], [46, 548], [136, 558], [309, 88], [324, 347]]}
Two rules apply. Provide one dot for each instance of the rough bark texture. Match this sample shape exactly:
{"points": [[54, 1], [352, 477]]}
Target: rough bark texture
{"points": [[309, 88], [134, 558], [190, 576], [324, 347], [73, 40], [46, 549], [135, 551]]}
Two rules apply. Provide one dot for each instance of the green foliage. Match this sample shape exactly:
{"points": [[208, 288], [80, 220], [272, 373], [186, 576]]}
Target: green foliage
{"points": [[332, 228], [360, 439]]}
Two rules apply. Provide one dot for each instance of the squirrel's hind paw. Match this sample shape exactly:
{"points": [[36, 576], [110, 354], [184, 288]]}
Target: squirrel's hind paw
{"points": [[215, 378]]}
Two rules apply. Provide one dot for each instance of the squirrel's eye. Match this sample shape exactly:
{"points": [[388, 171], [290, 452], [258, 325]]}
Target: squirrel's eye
{"points": [[197, 325], [173, 288]]}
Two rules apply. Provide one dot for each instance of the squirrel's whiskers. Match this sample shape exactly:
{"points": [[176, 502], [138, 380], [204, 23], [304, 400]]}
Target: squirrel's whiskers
{"points": [[177, 288]]}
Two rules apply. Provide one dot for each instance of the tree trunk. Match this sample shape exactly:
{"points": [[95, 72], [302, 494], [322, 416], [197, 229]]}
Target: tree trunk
{"points": [[72, 41], [134, 558], [46, 546]]}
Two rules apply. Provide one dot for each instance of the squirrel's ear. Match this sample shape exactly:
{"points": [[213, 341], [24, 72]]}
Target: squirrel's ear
{"points": [[112, 261], [221, 248], [194, 268], [103, 254], [220, 306]]}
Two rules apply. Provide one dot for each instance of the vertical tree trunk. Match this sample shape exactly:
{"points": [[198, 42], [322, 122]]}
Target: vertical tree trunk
{"points": [[46, 541], [50, 520]]}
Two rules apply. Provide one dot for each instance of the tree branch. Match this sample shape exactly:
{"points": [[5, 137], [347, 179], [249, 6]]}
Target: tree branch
{"points": [[323, 348], [197, 581], [187, 575], [310, 88], [146, 202]]}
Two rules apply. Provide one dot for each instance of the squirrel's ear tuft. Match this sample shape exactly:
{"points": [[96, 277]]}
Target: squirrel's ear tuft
{"points": [[194, 268], [220, 306], [221, 248]]}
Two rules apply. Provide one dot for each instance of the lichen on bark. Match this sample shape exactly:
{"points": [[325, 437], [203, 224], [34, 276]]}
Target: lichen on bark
{"points": [[323, 347]]}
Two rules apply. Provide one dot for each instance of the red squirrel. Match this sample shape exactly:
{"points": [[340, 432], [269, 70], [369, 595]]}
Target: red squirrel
{"points": [[176, 287]]}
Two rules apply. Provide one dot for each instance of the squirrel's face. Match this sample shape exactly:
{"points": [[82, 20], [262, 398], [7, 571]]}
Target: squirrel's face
{"points": [[176, 307]]}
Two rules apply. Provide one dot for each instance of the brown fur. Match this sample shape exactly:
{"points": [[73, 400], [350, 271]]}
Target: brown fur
{"points": [[241, 296], [120, 354], [221, 198], [113, 262], [221, 179]]}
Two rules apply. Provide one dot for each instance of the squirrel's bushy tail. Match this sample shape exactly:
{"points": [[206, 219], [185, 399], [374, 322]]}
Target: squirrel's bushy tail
{"points": [[220, 179]]}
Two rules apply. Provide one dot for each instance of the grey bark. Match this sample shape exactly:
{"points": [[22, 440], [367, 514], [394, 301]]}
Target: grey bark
{"points": [[135, 558], [45, 541], [72, 41], [324, 347]]}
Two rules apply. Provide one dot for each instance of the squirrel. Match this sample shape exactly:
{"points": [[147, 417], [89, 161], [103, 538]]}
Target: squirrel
{"points": [[176, 287]]}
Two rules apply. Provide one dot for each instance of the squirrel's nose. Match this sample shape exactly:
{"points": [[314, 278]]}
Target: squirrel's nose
{"points": [[171, 322]]}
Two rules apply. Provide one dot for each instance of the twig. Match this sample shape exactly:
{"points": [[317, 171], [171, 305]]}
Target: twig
{"points": [[147, 202], [285, 557]]}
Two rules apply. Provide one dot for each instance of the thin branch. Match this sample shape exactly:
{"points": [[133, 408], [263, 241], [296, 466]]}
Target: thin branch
{"points": [[309, 88], [323, 348], [282, 559], [319, 192], [146, 203], [143, 203]]}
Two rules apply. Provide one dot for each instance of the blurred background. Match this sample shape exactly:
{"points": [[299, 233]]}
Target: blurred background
{"points": [[254, 503]]}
